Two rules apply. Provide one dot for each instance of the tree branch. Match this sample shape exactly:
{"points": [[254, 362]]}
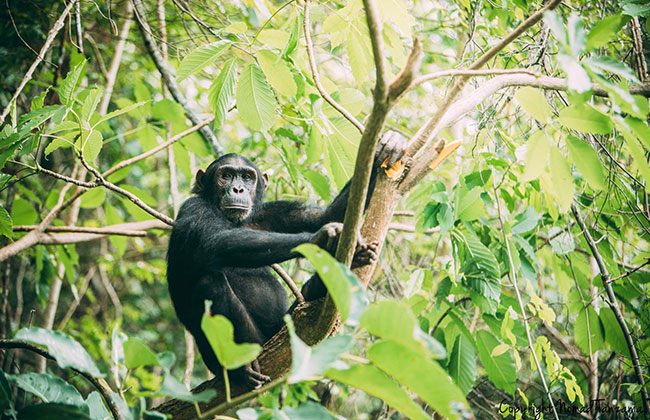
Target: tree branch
{"points": [[613, 304], [167, 77]]}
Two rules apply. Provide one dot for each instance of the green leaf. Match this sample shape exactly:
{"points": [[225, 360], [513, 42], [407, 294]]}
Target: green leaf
{"points": [[536, 156], [308, 363], [222, 91], [640, 129], [220, 334], [277, 73], [395, 321], [255, 100], [90, 103], [199, 58], [319, 182], [174, 388], [562, 178], [91, 144], [470, 205], [585, 158], [588, 326], [70, 83], [500, 369], [93, 198], [67, 352], [534, 103], [636, 8], [525, 221], [481, 255], [309, 410], [6, 223], [98, 410], [373, 381], [53, 411], [118, 112], [48, 388], [421, 375], [342, 140], [600, 65], [360, 52], [613, 333], [345, 288], [605, 30], [273, 38], [23, 213], [586, 119], [396, 11], [137, 353], [462, 364]]}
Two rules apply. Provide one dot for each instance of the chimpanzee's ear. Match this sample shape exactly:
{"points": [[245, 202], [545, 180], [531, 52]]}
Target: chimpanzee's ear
{"points": [[198, 186], [265, 179]]}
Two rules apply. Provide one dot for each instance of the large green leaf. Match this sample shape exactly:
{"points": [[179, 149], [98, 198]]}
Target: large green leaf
{"points": [[201, 57], [373, 381], [277, 73], [137, 353], [585, 158], [53, 411], [588, 331], [481, 255], [98, 410], [70, 83], [563, 186], [346, 290], [220, 334], [342, 140], [174, 388], [308, 363], [613, 333], [534, 103], [536, 156], [605, 30], [255, 100], [222, 91], [501, 369], [640, 129], [395, 321], [420, 374], [586, 119], [359, 51], [65, 350], [462, 364], [306, 411], [48, 388]]}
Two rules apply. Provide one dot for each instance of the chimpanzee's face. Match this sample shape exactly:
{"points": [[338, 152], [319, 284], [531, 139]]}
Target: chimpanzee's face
{"points": [[236, 185]]}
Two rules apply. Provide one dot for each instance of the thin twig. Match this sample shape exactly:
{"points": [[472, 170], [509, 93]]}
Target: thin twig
{"points": [[289, 281], [99, 383], [41, 56], [82, 229], [613, 304], [513, 277], [629, 273], [75, 304], [314, 71]]}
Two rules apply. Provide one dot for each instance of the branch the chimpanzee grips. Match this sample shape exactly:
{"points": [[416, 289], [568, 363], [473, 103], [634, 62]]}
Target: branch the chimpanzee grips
{"points": [[225, 238]]}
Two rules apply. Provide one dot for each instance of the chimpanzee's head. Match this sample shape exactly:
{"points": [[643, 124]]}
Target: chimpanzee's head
{"points": [[234, 184]]}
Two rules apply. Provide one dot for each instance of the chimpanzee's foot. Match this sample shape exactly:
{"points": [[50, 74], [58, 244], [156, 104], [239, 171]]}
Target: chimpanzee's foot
{"points": [[365, 254]]}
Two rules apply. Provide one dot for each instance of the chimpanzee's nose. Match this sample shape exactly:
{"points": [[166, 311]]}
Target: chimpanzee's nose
{"points": [[237, 190]]}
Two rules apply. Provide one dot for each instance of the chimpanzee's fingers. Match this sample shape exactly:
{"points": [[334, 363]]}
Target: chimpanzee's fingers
{"points": [[384, 147], [397, 149]]}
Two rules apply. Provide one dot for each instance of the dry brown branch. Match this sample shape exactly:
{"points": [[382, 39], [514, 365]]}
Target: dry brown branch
{"points": [[289, 282], [82, 229]]}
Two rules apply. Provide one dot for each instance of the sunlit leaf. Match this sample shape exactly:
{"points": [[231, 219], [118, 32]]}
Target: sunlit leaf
{"points": [[605, 30], [588, 331], [220, 334], [585, 158], [534, 103], [563, 187], [65, 350], [277, 73], [48, 388], [255, 100], [536, 156], [71, 82], [6, 223], [200, 58], [462, 364], [586, 119], [500, 369], [222, 91], [137, 353]]}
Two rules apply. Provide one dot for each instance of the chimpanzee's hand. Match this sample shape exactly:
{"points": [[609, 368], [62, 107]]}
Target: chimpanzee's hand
{"points": [[327, 235], [391, 148], [254, 376], [365, 254]]}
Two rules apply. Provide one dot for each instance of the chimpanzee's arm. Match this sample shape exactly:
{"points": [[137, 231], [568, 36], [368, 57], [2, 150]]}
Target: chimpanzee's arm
{"points": [[293, 216]]}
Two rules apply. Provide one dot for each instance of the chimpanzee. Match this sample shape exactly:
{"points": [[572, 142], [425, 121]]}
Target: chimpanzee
{"points": [[225, 238]]}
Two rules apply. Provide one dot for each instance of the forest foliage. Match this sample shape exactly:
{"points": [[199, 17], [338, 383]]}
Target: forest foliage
{"points": [[514, 274]]}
